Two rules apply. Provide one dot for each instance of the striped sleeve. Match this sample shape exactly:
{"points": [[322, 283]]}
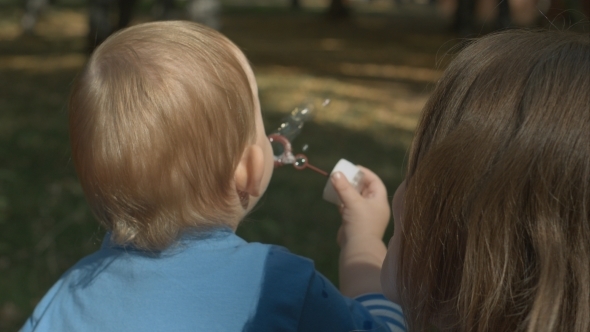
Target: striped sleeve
{"points": [[388, 312]]}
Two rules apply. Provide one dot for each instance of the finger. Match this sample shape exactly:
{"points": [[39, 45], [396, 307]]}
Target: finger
{"points": [[369, 177], [371, 183], [343, 188]]}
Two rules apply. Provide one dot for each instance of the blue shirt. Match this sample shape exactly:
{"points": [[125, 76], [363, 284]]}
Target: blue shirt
{"points": [[205, 282]]}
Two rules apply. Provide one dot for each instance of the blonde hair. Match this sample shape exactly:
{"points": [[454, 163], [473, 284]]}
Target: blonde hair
{"points": [[159, 119], [496, 229]]}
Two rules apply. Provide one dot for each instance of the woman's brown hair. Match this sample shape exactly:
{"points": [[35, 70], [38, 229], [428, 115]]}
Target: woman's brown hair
{"points": [[496, 223], [159, 119]]}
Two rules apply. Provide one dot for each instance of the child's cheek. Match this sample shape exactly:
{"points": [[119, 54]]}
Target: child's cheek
{"points": [[397, 204], [389, 273]]}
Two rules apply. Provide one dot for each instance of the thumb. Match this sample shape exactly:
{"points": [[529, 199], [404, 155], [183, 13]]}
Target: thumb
{"points": [[343, 188]]}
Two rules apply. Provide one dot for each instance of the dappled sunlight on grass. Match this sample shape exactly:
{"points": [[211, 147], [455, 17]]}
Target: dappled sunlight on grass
{"points": [[354, 106], [54, 23], [42, 63], [62, 23], [9, 31], [391, 71]]}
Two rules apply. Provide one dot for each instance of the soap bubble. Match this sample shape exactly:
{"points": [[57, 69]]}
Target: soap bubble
{"points": [[290, 128], [291, 125]]}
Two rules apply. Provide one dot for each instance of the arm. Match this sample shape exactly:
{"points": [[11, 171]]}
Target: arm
{"points": [[360, 237]]}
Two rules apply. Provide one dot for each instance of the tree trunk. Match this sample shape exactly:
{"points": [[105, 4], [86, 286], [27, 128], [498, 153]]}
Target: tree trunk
{"points": [[338, 9]]}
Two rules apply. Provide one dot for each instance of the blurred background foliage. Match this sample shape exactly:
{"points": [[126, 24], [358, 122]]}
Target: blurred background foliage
{"points": [[377, 65]]}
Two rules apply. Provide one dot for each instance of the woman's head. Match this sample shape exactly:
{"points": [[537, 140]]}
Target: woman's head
{"points": [[496, 215], [159, 119]]}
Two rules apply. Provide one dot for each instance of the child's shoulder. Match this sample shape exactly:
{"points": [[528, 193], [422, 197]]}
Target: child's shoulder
{"points": [[295, 296], [283, 264]]}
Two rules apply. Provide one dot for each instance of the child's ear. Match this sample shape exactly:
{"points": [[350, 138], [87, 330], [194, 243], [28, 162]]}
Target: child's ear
{"points": [[250, 170]]}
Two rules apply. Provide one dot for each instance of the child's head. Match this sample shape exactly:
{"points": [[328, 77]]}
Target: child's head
{"points": [[495, 222], [166, 133]]}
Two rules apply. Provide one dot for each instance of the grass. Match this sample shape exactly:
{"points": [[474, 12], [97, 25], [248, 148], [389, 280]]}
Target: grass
{"points": [[376, 71]]}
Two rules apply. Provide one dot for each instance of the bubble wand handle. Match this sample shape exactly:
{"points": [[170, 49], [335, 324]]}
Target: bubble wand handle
{"points": [[302, 162]]}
